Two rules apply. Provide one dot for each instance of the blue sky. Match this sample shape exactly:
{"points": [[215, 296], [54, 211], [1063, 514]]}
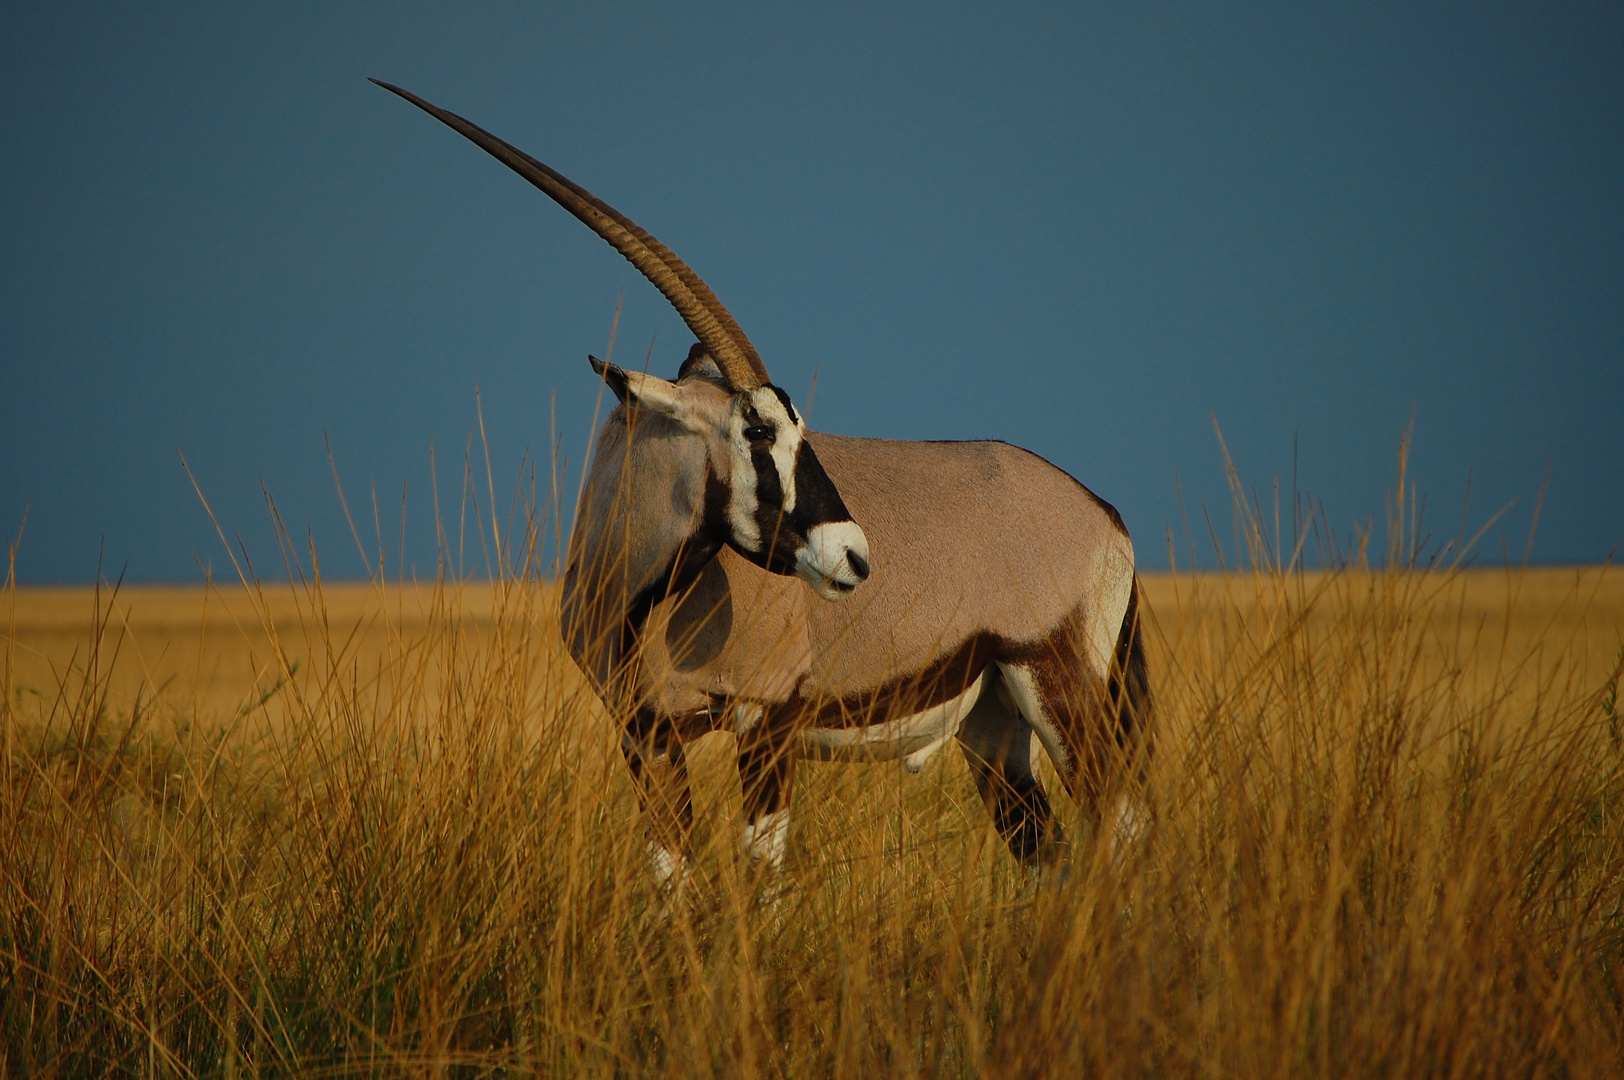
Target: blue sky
{"points": [[1086, 230]]}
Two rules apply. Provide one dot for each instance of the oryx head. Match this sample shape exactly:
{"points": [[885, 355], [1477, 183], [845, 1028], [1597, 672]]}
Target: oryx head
{"points": [[774, 504], [778, 508]]}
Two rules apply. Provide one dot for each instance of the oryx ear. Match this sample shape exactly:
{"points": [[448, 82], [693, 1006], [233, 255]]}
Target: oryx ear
{"points": [[637, 390]]}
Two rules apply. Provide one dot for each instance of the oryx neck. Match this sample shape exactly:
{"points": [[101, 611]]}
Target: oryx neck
{"points": [[645, 527]]}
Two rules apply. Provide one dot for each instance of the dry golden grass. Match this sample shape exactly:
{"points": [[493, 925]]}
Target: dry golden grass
{"points": [[381, 830]]}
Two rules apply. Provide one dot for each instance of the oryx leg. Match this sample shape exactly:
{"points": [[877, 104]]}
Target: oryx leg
{"points": [[654, 752], [1066, 705], [767, 754], [998, 743]]}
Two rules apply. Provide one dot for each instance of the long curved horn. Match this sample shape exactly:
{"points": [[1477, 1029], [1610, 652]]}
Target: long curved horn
{"points": [[694, 301]]}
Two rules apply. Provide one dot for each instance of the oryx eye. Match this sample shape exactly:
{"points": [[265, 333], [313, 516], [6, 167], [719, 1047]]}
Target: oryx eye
{"points": [[758, 433]]}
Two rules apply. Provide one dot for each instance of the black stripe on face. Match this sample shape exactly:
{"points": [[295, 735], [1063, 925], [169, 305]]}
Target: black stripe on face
{"points": [[817, 501], [780, 536], [769, 489], [783, 399]]}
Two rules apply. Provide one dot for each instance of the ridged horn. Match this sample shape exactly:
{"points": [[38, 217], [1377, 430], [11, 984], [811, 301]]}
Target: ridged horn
{"points": [[692, 298]]}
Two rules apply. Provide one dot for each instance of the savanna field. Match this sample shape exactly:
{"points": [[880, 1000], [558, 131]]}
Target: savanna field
{"points": [[378, 830]]}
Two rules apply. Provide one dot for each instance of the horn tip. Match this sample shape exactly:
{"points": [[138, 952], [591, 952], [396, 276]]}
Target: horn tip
{"points": [[393, 89]]}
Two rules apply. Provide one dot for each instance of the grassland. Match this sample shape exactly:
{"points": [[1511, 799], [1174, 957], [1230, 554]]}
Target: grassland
{"points": [[379, 830]]}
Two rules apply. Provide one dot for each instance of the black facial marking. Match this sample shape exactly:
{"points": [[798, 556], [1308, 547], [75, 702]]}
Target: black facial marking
{"points": [[783, 399], [781, 533], [816, 503], [816, 500], [769, 490]]}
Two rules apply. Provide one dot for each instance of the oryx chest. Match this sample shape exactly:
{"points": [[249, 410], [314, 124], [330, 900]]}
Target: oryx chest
{"points": [[913, 737]]}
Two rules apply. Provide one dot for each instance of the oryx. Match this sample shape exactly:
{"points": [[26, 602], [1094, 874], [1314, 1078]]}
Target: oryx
{"points": [[965, 590]]}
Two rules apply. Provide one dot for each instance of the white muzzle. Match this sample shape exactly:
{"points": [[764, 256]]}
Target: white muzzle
{"points": [[835, 559]]}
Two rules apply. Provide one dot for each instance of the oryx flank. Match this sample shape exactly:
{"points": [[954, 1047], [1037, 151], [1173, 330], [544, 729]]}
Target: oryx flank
{"points": [[965, 590]]}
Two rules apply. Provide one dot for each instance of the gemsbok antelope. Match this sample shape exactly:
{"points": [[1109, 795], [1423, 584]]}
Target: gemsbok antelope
{"points": [[966, 590]]}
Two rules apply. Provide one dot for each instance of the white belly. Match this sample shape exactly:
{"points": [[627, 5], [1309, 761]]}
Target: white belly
{"points": [[912, 738]]}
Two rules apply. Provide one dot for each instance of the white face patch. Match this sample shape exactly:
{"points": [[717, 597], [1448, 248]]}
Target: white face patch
{"points": [[742, 502]]}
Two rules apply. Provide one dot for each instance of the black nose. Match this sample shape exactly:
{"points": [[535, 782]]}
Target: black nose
{"points": [[859, 565]]}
